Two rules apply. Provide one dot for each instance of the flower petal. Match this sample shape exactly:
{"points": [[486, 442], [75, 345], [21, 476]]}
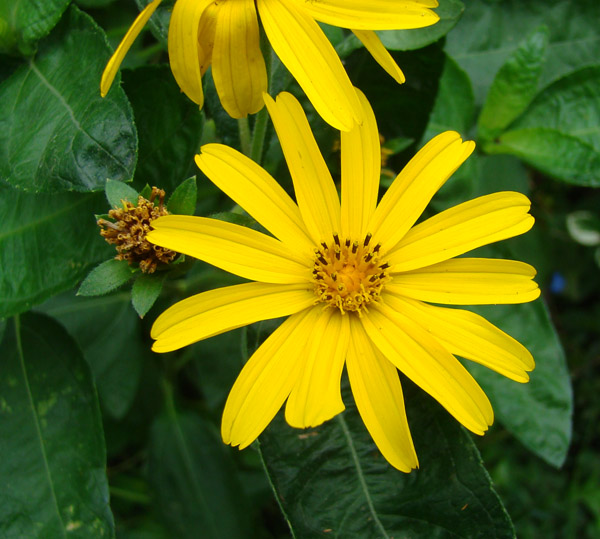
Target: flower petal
{"points": [[184, 49], [378, 396], [112, 67], [266, 380], [372, 14], [469, 281], [309, 56], [315, 191], [469, 335], [361, 170], [429, 365], [413, 188], [239, 68], [374, 45], [216, 311], [257, 192], [316, 396], [460, 229], [206, 36], [234, 248]]}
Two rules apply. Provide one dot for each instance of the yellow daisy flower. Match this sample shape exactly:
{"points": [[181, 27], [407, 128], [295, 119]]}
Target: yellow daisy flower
{"points": [[355, 279], [225, 34]]}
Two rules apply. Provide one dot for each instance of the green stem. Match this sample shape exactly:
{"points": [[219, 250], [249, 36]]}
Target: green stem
{"points": [[130, 495], [244, 130], [258, 137]]}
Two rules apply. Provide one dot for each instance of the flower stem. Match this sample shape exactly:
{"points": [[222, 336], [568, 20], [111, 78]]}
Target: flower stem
{"points": [[258, 136], [244, 130]]}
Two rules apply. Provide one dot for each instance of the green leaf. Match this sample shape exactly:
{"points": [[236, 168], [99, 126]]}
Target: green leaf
{"points": [[108, 332], [559, 155], [25, 22], [194, 481], [449, 11], [105, 278], [159, 22], [183, 199], [570, 105], [145, 291], [332, 480], [116, 192], [487, 33], [53, 466], [169, 127], [537, 413], [514, 86], [47, 244], [76, 139], [584, 227]]}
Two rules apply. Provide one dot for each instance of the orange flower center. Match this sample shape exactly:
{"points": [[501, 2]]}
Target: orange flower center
{"points": [[348, 275]]}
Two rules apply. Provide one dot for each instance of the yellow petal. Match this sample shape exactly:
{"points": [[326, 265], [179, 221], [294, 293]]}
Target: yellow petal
{"points": [[315, 191], [429, 365], [469, 281], [309, 56], [461, 229], [361, 169], [234, 248], [206, 36], [378, 396], [239, 69], [413, 188], [266, 380], [374, 45], [469, 335], [216, 311], [257, 192], [185, 53], [372, 14], [316, 396], [112, 67]]}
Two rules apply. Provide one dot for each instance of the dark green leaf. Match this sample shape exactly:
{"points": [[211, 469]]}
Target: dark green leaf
{"points": [[145, 291], [193, 478], [169, 127], [183, 199], [514, 86], [25, 22], [159, 22], [76, 139], [449, 11], [53, 465], [333, 482], [47, 244], [105, 278], [116, 192], [537, 413], [489, 30], [559, 155], [109, 334]]}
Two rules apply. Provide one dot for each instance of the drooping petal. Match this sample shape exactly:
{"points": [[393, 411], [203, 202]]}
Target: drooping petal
{"points": [[372, 14], [469, 335], [316, 396], [469, 281], [413, 188], [223, 309], [112, 67], [239, 68], [315, 191], [266, 380], [381, 55], [234, 248], [184, 49], [257, 192], [429, 365], [378, 396], [309, 56], [206, 36], [361, 169], [460, 229]]}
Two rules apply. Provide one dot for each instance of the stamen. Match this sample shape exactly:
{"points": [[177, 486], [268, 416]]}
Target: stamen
{"points": [[354, 247], [367, 239], [336, 239]]}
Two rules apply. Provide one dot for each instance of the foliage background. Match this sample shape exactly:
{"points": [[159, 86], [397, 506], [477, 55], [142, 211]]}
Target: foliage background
{"points": [[99, 437]]}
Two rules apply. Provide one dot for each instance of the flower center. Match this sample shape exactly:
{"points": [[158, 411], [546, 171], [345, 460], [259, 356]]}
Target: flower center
{"points": [[348, 275]]}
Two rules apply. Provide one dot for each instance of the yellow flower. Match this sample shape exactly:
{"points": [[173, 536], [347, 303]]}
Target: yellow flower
{"points": [[355, 280], [225, 33]]}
